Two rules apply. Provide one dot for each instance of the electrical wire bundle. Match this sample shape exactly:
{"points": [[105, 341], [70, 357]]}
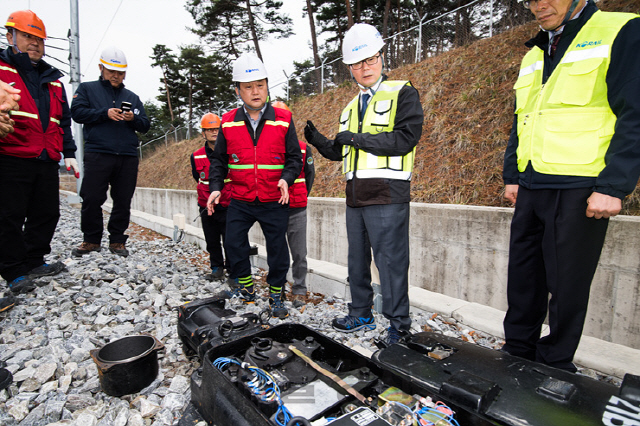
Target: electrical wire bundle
{"points": [[439, 415], [424, 414], [261, 384]]}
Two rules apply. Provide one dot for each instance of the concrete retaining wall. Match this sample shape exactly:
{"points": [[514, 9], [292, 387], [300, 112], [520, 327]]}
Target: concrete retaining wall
{"points": [[462, 252]]}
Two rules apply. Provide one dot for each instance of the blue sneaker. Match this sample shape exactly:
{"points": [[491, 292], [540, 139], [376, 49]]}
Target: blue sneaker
{"points": [[22, 284], [393, 335], [47, 269], [278, 310], [244, 294], [349, 324]]}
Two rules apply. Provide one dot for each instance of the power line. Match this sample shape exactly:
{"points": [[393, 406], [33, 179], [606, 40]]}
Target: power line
{"points": [[103, 36]]}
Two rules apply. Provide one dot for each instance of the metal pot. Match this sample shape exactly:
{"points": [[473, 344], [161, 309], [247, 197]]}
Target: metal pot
{"points": [[127, 365]]}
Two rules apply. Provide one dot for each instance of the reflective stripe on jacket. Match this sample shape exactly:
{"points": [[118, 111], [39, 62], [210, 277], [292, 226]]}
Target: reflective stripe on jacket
{"points": [[29, 139], [298, 191], [379, 117], [202, 168], [256, 169], [565, 125]]}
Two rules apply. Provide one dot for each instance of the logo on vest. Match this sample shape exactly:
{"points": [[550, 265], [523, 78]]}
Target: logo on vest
{"points": [[589, 43], [234, 157], [202, 175]]}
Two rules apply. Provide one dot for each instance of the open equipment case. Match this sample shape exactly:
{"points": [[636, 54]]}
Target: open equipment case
{"points": [[252, 374], [228, 389]]}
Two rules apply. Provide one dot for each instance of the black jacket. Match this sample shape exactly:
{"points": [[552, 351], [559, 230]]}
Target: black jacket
{"points": [[406, 133], [90, 104], [37, 79], [220, 159], [620, 175]]}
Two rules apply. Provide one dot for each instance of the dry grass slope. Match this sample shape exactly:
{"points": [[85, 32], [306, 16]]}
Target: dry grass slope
{"points": [[467, 99]]}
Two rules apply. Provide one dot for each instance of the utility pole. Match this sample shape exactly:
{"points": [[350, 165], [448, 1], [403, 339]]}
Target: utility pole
{"points": [[74, 63]]}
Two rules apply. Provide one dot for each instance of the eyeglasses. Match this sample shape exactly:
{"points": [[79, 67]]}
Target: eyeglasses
{"points": [[370, 61], [527, 3]]}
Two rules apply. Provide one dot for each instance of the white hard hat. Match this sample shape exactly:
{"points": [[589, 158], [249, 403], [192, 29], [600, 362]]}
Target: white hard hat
{"points": [[113, 59], [248, 67], [362, 41]]}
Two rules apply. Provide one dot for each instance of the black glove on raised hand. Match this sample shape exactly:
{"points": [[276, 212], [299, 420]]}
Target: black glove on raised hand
{"points": [[315, 138], [344, 138]]}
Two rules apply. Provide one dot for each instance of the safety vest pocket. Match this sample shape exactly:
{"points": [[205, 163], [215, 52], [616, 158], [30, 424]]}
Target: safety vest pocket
{"points": [[382, 112], [523, 87], [573, 139], [577, 82], [344, 120]]}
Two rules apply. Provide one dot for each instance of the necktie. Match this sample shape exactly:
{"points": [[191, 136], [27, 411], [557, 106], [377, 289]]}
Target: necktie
{"points": [[554, 45], [365, 102]]}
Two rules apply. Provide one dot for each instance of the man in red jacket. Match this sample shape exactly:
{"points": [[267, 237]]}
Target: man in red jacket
{"points": [[258, 150], [29, 198], [213, 226]]}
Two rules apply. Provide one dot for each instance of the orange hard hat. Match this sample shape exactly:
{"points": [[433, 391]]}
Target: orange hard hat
{"points": [[27, 22], [210, 121], [280, 104]]}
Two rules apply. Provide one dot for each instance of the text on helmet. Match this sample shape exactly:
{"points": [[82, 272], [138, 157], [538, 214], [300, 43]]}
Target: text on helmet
{"points": [[355, 49]]}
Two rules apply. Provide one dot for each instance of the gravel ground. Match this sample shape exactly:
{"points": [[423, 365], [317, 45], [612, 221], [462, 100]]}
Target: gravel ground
{"points": [[46, 338]]}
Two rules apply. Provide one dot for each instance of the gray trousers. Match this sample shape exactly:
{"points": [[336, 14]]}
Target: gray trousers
{"points": [[385, 228], [297, 239]]}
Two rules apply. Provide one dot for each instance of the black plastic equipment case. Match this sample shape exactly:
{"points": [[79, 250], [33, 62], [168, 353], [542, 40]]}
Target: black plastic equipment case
{"points": [[222, 399], [205, 323], [507, 389]]}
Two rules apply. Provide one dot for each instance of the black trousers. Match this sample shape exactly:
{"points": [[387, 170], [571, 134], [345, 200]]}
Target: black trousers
{"points": [[29, 213], [214, 229], [273, 219], [385, 229], [101, 171], [554, 250]]}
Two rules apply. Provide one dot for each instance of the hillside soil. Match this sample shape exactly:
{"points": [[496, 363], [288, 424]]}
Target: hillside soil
{"points": [[467, 98]]}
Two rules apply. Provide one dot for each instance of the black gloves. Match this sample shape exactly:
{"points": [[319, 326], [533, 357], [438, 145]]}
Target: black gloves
{"points": [[344, 138], [328, 148], [315, 138]]}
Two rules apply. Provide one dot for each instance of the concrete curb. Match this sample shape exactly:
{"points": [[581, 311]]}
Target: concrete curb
{"points": [[331, 279]]}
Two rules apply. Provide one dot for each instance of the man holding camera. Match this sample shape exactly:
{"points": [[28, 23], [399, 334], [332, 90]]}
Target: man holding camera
{"points": [[111, 116]]}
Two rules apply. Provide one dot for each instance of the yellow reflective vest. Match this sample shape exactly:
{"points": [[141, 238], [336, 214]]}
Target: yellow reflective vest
{"points": [[565, 125], [379, 117]]}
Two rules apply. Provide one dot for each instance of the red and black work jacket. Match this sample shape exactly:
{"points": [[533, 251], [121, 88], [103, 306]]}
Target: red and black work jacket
{"points": [[298, 191], [255, 169], [29, 140], [201, 167]]}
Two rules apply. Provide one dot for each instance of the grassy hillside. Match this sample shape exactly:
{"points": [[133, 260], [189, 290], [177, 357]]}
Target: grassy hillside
{"points": [[467, 99]]}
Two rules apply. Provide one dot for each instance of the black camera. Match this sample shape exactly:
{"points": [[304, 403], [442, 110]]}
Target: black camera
{"points": [[125, 106]]}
